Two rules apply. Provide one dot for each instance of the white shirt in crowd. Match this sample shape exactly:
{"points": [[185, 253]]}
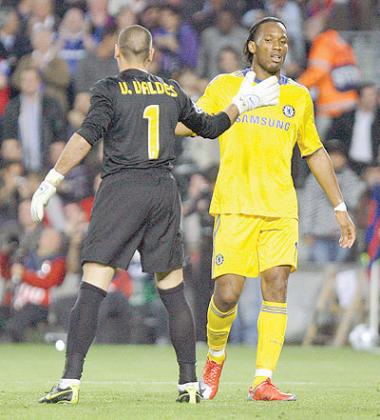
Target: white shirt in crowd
{"points": [[361, 144]]}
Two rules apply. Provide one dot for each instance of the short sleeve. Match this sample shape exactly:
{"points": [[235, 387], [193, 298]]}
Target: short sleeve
{"points": [[99, 115], [209, 100], [308, 138]]}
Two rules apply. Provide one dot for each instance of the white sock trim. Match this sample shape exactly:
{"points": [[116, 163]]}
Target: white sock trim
{"points": [[216, 353], [64, 383], [264, 372], [182, 387]]}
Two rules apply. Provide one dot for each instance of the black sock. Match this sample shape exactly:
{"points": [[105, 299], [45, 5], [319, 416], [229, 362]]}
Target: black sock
{"points": [[82, 328], [182, 331]]}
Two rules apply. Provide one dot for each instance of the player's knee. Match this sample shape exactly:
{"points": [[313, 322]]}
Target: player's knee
{"points": [[226, 299]]}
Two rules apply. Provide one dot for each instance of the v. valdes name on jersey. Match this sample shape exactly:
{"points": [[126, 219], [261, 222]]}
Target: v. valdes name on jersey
{"points": [[147, 88]]}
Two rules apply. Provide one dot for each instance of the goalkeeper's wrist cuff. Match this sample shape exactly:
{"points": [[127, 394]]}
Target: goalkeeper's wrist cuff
{"points": [[54, 177], [341, 207]]}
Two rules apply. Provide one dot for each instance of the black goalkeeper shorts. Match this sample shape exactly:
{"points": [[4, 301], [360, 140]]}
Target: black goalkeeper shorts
{"points": [[136, 209]]}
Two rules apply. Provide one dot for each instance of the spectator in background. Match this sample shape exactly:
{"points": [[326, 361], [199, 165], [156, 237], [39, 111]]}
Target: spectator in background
{"points": [[198, 201], [77, 114], [371, 178], [125, 17], [226, 32], [98, 63], [4, 87], [191, 83], [75, 186], [360, 129], [73, 39], [176, 40], [149, 17], [135, 6], [11, 150], [24, 11], [98, 18], [35, 119], [256, 11], [11, 173], [318, 220], [332, 70], [39, 272], [13, 43], [228, 60], [20, 238], [53, 70], [207, 16], [42, 16]]}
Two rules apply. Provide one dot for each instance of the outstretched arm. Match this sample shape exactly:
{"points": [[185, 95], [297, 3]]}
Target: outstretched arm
{"points": [[321, 167], [248, 97], [232, 112]]}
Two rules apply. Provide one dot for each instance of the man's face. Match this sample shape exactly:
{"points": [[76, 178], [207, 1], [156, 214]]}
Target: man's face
{"points": [[30, 82], [338, 160], [271, 47], [225, 22]]}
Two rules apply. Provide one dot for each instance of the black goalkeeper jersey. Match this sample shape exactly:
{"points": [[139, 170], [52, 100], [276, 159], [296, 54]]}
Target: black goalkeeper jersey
{"points": [[136, 114]]}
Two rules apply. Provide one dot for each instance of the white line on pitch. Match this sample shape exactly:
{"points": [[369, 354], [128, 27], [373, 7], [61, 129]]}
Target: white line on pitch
{"points": [[134, 383]]}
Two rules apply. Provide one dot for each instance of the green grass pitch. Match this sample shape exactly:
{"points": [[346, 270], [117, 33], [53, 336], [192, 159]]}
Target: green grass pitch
{"points": [[139, 382]]}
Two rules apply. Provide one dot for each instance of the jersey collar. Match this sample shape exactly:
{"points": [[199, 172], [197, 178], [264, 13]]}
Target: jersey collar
{"points": [[133, 72], [283, 79]]}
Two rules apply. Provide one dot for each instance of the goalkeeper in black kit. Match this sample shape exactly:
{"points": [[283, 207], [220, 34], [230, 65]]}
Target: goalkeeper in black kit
{"points": [[137, 205]]}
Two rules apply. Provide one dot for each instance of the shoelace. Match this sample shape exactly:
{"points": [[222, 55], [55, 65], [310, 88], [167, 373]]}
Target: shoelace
{"points": [[213, 371]]}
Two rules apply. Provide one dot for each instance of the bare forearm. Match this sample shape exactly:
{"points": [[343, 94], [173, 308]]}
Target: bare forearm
{"points": [[232, 112], [74, 152], [321, 167]]}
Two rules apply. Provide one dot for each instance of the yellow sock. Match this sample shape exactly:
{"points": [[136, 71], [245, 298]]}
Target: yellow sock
{"points": [[218, 328], [271, 326]]}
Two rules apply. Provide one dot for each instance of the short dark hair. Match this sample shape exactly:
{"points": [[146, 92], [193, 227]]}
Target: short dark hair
{"points": [[253, 33], [136, 41]]}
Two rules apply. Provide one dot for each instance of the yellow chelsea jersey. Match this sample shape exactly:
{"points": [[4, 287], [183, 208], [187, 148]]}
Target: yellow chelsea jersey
{"points": [[255, 153]]}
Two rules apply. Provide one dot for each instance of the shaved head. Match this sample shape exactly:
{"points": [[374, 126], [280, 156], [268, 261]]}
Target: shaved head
{"points": [[135, 42]]}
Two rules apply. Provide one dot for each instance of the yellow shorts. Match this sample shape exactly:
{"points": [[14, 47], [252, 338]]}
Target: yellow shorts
{"points": [[248, 245]]}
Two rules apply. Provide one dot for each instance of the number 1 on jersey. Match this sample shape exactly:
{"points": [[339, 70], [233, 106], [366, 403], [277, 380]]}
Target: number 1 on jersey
{"points": [[152, 114]]}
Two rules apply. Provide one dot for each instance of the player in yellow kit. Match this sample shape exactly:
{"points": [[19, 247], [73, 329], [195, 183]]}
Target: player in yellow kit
{"points": [[255, 206]]}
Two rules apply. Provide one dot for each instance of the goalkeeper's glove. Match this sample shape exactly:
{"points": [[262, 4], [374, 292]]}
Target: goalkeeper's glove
{"points": [[264, 93], [45, 191]]}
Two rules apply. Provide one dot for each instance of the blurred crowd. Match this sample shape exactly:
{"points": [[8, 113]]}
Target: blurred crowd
{"points": [[52, 52]]}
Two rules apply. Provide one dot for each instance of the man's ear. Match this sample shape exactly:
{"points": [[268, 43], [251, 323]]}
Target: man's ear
{"points": [[252, 47], [117, 52], [151, 55]]}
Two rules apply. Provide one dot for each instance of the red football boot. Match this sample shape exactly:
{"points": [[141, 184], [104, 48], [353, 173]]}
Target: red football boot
{"points": [[210, 380], [266, 391]]}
